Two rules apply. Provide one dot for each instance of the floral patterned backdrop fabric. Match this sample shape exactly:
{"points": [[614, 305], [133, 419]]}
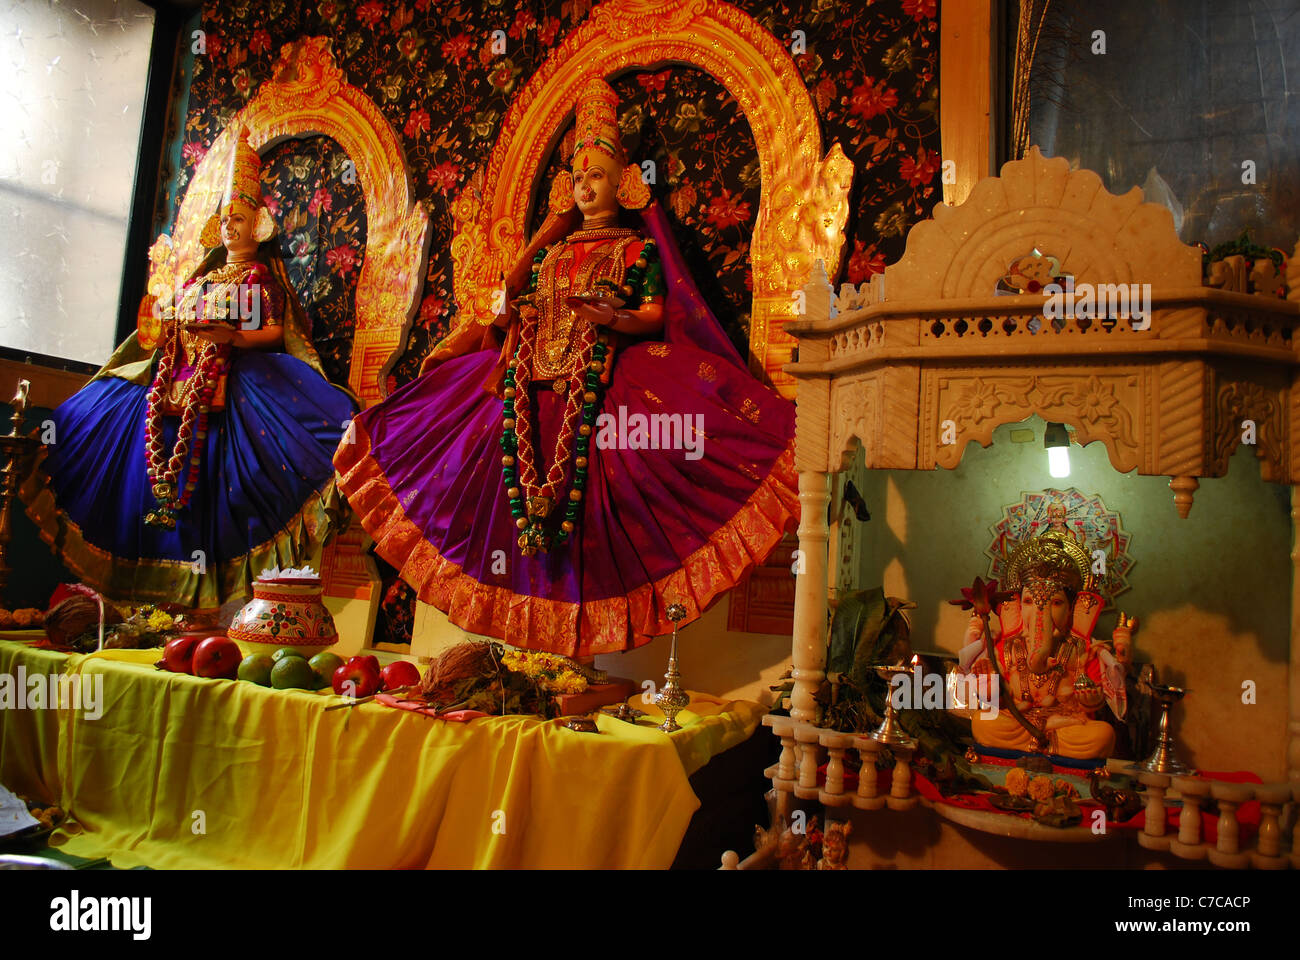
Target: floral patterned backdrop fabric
{"points": [[322, 221], [871, 70]]}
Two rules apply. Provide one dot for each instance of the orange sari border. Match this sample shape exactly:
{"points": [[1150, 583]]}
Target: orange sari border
{"points": [[572, 629], [175, 581]]}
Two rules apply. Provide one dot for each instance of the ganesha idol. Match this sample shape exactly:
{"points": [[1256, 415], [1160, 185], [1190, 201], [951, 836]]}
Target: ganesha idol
{"points": [[1052, 675]]}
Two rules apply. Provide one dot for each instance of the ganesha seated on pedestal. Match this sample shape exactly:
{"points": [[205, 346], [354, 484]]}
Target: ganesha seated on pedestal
{"points": [[1038, 654]]}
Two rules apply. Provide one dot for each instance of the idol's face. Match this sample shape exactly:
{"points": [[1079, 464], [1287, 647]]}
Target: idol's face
{"points": [[595, 182], [237, 222]]}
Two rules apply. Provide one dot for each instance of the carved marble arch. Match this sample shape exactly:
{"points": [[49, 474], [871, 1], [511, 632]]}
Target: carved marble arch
{"points": [[804, 200], [309, 95], [927, 356]]}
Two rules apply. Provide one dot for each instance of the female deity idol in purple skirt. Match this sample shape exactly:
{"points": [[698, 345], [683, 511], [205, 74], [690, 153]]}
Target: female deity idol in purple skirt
{"points": [[611, 457]]}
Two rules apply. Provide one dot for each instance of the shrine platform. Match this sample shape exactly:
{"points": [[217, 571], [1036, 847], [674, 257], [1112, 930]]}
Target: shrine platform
{"points": [[183, 772]]}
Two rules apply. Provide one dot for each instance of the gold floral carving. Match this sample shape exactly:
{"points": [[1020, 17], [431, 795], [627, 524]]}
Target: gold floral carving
{"points": [[804, 200], [309, 95]]}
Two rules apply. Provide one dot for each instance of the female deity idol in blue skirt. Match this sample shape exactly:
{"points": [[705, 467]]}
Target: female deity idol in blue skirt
{"points": [[179, 473]]}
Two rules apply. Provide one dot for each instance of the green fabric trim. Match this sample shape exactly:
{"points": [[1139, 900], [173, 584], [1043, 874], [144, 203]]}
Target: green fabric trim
{"points": [[129, 362], [653, 285]]}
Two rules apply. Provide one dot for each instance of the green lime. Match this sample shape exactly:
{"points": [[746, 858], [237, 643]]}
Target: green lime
{"points": [[293, 673], [283, 652], [256, 668], [324, 665]]}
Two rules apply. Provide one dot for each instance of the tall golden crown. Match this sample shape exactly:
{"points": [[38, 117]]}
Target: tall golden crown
{"points": [[243, 183], [597, 134], [597, 123]]}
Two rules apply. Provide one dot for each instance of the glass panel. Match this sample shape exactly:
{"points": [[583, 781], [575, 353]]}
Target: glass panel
{"points": [[72, 84], [1189, 101]]}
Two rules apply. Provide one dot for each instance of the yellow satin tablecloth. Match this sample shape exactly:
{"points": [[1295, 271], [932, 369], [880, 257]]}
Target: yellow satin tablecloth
{"points": [[182, 772]]}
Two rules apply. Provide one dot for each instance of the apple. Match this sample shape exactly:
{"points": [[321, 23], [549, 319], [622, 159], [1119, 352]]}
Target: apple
{"points": [[217, 657], [370, 660], [178, 655], [400, 673], [357, 678]]}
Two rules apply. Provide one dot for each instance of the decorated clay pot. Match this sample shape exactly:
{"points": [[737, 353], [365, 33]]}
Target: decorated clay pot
{"points": [[284, 613]]}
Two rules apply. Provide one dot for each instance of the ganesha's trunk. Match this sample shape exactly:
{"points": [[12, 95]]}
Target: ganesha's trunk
{"points": [[1041, 641]]}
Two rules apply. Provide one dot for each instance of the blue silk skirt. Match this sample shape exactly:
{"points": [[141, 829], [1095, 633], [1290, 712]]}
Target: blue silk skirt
{"points": [[265, 494]]}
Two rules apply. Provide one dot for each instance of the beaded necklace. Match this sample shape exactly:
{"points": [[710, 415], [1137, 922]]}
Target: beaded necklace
{"points": [[531, 502], [212, 361]]}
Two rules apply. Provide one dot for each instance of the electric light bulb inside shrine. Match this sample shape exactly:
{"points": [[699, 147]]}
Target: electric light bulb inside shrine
{"points": [[1057, 440]]}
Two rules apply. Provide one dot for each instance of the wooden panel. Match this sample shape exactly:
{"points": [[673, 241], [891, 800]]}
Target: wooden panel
{"points": [[966, 93], [50, 387]]}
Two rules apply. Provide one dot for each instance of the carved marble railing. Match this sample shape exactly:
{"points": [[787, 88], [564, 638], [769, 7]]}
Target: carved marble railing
{"points": [[1189, 843], [806, 747]]}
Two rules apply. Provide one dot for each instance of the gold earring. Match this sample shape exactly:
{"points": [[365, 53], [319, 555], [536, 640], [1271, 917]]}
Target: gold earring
{"points": [[632, 193]]}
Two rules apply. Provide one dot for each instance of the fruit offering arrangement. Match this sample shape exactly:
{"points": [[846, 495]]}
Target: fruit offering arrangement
{"points": [[496, 679], [215, 657], [72, 622], [286, 668]]}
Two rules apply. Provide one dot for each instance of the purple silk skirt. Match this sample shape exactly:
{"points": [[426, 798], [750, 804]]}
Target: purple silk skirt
{"points": [[677, 524]]}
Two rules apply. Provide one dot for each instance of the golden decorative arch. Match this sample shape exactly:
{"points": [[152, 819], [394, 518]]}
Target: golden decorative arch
{"points": [[804, 200], [309, 95]]}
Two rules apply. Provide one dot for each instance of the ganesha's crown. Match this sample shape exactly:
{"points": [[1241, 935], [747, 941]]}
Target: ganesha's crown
{"points": [[1054, 559]]}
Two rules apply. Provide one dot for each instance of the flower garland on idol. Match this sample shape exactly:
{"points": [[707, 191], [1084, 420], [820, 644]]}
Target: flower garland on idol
{"points": [[164, 476], [531, 501]]}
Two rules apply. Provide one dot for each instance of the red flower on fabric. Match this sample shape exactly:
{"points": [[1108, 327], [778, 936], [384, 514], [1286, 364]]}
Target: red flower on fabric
{"points": [[260, 41], [444, 176], [214, 45], [864, 262], [370, 13], [342, 259], [431, 309], [456, 48], [654, 81], [320, 200], [271, 203], [920, 170], [523, 20], [724, 211], [920, 10], [872, 98], [418, 123], [546, 33], [194, 152]]}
